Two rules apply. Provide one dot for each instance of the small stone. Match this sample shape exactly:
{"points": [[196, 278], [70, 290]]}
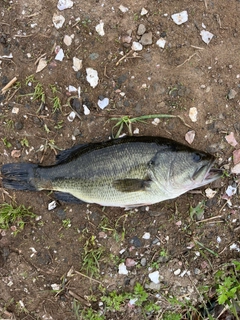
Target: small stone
{"points": [[67, 40], [153, 286], [161, 43], [52, 205], [77, 64], [122, 269], [126, 38], [146, 39], [206, 36], [64, 4], [232, 94], [154, 277], [136, 46], [141, 29], [71, 116], [18, 125], [146, 236], [58, 21], [61, 214], [193, 114], [99, 28], [86, 111], [189, 136], [123, 9], [180, 18], [130, 262], [143, 262], [144, 12], [177, 272], [60, 55], [103, 103], [15, 110], [92, 77], [136, 242]]}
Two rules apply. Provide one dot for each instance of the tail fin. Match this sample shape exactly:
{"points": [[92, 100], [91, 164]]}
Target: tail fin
{"points": [[18, 176]]}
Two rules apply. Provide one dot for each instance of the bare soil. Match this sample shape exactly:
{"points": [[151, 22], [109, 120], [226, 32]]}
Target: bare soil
{"points": [[185, 73]]}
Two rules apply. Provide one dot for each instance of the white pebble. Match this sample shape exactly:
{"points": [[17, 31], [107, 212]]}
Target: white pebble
{"points": [[154, 277], [206, 36], [58, 21], [193, 114], [146, 236], [123, 9], [180, 17], [86, 111], [99, 28], [177, 272], [144, 12], [161, 43], [136, 46], [92, 77], [52, 205], [103, 103], [71, 116], [122, 269]]}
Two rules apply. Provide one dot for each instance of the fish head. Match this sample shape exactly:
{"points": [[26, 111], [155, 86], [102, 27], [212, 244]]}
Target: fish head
{"points": [[183, 169]]}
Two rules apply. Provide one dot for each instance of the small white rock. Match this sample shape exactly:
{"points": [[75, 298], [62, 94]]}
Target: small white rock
{"points": [[219, 240], [177, 272], [92, 77], [123, 9], [67, 40], [210, 193], [71, 116], [99, 28], [180, 17], [136, 46], [60, 55], [144, 12], [136, 131], [52, 205], [86, 111], [103, 103], [231, 191], [15, 110], [71, 89], [193, 114], [55, 287], [122, 269], [154, 277], [206, 36], [146, 236], [58, 21], [64, 4], [234, 246], [161, 43], [77, 64], [156, 121], [189, 136]]}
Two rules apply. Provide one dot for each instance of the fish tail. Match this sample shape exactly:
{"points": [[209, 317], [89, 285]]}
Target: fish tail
{"points": [[18, 176]]}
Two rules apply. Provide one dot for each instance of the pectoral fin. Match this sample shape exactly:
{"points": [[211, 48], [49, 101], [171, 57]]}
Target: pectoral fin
{"points": [[131, 185]]}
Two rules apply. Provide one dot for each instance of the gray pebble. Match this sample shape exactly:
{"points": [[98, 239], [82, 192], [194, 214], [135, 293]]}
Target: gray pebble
{"points": [[232, 94], [141, 29], [94, 56], [18, 125], [143, 262], [146, 39], [136, 242]]}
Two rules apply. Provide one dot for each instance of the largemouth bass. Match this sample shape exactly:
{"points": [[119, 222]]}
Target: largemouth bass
{"points": [[126, 172]]}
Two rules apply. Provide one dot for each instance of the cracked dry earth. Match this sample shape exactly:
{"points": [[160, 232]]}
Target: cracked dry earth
{"points": [[42, 269]]}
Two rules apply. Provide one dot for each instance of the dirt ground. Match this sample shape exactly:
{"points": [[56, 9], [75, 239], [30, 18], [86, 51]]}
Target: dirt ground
{"points": [[43, 267]]}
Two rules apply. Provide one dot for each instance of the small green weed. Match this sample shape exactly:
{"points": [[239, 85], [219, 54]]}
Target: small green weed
{"points": [[128, 121], [66, 223], [6, 143], [172, 316], [228, 286], [24, 142], [114, 300], [91, 256], [55, 100], [10, 215]]}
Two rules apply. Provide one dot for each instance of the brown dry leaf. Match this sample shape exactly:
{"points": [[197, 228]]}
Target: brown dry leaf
{"points": [[231, 139], [189, 136], [16, 153]]}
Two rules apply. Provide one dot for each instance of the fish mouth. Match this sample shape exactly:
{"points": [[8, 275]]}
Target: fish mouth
{"points": [[209, 173]]}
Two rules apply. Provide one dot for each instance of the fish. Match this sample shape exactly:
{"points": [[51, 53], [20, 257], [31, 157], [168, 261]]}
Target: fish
{"points": [[126, 172]]}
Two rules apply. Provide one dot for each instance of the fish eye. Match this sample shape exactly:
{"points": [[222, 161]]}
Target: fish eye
{"points": [[197, 157]]}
